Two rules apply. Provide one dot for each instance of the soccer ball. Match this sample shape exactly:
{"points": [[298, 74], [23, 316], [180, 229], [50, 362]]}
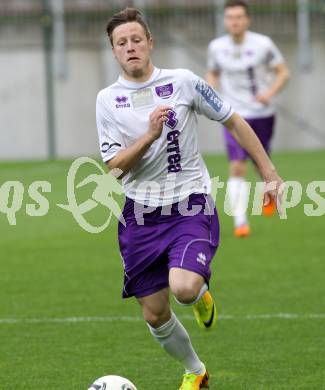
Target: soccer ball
{"points": [[112, 382]]}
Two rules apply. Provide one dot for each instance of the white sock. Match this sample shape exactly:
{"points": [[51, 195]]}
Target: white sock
{"points": [[175, 340], [238, 196], [204, 288]]}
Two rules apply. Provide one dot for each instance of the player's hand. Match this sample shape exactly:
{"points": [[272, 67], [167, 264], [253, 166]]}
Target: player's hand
{"points": [[274, 187], [156, 121], [264, 99]]}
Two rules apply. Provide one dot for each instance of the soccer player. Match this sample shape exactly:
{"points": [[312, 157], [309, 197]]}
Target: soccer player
{"points": [[250, 71], [147, 126]]}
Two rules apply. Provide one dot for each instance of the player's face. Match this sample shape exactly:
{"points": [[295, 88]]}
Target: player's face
{"points": [[132, 49], [236, 21]]}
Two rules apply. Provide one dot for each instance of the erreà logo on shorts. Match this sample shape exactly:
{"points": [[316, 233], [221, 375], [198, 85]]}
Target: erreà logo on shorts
{"points": [[122, 102], [201, 258]]}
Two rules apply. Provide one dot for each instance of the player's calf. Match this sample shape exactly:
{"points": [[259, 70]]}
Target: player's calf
{"points": [[155, 308]]}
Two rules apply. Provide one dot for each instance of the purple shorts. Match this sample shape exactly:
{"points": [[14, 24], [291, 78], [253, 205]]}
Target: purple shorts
{"points": [[165, 241], [263, 128]]}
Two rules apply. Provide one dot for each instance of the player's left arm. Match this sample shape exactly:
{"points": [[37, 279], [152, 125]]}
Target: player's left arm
{"points": [[281, 78], [245, 135]]}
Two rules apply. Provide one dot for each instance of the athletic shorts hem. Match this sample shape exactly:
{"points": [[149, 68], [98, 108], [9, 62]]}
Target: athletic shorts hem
{"points": [[145, 292], [205, 275]]}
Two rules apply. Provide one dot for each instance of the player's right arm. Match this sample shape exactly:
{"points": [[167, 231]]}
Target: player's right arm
{"points": [[247, 138], [275, 61], [212, 78], [213, 74], [126, 158]]}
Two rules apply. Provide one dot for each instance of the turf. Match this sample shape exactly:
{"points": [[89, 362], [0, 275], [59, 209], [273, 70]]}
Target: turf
{"points": [[51, 269]]}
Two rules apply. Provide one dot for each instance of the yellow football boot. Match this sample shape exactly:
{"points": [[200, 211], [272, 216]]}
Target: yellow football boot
{"points": [[205, 311], [195, 382]]}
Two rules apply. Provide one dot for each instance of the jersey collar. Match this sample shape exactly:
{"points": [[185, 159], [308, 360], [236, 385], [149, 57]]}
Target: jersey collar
{"points": [[135, 85]]}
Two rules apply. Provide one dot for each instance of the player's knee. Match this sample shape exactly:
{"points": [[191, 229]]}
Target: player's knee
{"points": [[186, 293], [157, 319], [152, 319]]}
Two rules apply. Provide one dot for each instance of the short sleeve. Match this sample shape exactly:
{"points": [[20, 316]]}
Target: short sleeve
{"points": [[110, 139], [273, 55], [212, 62], [206, 100]]}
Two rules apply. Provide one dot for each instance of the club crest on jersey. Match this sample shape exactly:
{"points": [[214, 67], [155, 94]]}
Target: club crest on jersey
{"points": [[249, 52], [165, 91], [122, 102]]}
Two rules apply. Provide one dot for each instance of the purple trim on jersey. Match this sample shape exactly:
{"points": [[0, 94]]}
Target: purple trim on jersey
{"points": [[167, 241], [263, 128], [252, 79]]}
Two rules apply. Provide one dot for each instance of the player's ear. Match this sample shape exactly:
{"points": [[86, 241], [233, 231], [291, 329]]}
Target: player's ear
{"points": [[111, 41], [113, 51], [249, 21], [151, 43]]}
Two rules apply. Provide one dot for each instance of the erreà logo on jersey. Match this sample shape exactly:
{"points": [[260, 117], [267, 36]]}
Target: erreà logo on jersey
{"points": [[122, 102], [165, 91]]}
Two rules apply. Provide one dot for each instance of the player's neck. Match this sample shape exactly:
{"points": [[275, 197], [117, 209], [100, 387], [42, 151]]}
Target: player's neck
{"points": [[239, 39], [141, 76]]}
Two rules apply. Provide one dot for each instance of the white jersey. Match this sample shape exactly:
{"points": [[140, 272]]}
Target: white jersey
{"points": [[173, 164], [246, 70]]}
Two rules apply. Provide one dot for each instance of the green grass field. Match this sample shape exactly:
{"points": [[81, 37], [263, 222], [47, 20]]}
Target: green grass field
{"points": [[63, 322]]}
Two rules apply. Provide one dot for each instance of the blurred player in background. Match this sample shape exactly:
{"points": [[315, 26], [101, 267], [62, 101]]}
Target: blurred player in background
{"points": [[250, 71], [147, 129]]}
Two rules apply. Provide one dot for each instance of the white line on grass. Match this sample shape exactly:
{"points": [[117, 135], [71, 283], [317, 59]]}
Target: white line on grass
{"points": [[249, 317]]}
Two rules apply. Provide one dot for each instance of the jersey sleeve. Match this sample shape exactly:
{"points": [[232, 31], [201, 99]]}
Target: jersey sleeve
{"points": [[273, 55], [205, 100], [110, 139], [212, 62]]}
